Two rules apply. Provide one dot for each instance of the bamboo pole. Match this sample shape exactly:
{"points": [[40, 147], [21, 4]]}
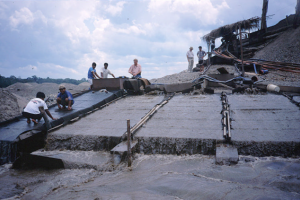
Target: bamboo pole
{"points": [[128, 143]]}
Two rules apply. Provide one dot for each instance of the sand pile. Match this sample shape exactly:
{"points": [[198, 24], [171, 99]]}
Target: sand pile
{"points": [[184, 76], [8, 105], [181, 77]]}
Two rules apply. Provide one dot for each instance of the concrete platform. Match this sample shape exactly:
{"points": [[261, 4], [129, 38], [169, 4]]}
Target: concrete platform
{"points": [[187, 124], [265, 125], [186, 117], [103, 129]]}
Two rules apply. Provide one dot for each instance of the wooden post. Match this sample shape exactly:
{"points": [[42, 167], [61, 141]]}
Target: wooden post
{"points": [[297, 13], [128, 143], [243, 71], [264, 16], [48, 126]]}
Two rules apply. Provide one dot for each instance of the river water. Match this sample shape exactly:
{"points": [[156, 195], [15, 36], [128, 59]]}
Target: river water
{"points": [[160, 177]]}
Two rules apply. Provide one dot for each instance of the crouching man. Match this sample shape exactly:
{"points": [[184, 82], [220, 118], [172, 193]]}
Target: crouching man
{"points": [[31, 111], [64, 98]]}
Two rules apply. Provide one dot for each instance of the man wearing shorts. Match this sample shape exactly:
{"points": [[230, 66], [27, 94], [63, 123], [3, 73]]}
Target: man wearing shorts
{"points": [[92, 74], [31, 111]]}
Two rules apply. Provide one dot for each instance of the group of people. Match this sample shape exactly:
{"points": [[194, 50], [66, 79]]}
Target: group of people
{"points": [[190, 57], [64, 99], [135, 70]]}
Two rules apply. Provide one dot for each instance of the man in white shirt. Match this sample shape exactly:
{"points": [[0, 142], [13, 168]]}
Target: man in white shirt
{"points": [[32, 109], [106, 71], [190, 58]]}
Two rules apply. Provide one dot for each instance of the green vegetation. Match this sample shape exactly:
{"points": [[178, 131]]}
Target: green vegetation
{"points": [[7, 81]]}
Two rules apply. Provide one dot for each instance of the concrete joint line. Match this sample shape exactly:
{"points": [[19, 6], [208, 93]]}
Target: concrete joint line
{"points": [[135, 128]]}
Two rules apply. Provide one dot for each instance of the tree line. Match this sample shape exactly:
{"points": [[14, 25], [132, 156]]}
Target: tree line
{"points": [[7, 81]]}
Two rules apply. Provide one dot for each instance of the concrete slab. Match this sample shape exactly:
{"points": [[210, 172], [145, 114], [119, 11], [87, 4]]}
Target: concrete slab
{"points": [[226, 155], [264, 118], [187, 124], [186, 116], [106, 125], [265, 125]]}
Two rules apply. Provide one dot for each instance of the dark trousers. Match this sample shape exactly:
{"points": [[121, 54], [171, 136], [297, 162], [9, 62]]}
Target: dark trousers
{"points": [[32, 116]]}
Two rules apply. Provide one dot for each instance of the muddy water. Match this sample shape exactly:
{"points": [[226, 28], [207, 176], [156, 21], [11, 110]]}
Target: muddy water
{"points": [[160, 177]]}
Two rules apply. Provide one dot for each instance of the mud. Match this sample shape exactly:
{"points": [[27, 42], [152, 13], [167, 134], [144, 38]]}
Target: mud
{"points": [[160, 177]]}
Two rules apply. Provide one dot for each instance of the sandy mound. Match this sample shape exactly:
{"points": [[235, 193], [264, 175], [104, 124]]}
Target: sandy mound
{"points": [[184, 76], [181, 77], [286, 48], [8, 105]]}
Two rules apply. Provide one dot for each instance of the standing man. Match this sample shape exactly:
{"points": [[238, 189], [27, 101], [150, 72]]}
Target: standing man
{"points": [[92, 74], [64, 98], [106, 71], [32, 108], [135, 70], [201, 54], [190, 58]]}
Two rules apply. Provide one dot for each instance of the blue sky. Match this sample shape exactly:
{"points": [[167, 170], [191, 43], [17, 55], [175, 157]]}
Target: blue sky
{"points": [[61, 39]]}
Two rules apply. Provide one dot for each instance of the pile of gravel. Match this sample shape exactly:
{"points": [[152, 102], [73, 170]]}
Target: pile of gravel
{"points": [[184, 76], [280, 78], [181, 77], [285, 48]]}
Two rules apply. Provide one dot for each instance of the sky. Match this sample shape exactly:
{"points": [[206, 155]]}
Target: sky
{"points": [[61, 39]]}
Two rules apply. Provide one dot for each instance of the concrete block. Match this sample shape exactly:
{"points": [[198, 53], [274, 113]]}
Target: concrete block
{"points": [[122, 147], [226, 155]]}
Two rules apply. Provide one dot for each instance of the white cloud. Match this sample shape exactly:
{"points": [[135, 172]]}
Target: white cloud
{"points": [[24, 16], [3, 8], [65, 37], [115, 9], [203, 10], [132, 30]]}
